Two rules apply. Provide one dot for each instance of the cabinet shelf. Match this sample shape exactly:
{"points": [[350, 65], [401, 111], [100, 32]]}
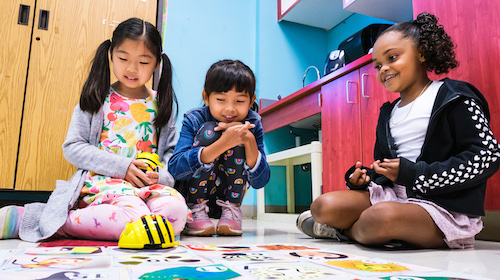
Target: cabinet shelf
{"points": [[327, 14], [379, 9], [324, 14]]}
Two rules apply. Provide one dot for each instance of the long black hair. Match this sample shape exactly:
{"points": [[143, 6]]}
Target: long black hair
{"points": [[227, 74], [433, 42], [96, 87]]}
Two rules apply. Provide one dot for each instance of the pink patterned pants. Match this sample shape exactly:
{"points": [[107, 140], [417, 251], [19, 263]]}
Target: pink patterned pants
{"points": [[106, 221]]}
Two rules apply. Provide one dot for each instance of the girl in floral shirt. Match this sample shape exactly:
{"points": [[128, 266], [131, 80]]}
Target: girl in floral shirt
{"points": [[110, 127]]}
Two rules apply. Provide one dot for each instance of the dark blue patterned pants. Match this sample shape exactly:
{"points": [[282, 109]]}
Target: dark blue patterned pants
{"points": [[227, 180]]}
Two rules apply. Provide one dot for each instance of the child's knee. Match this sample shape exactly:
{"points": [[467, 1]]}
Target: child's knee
{"points": [[170, 207], [207, 135], [173, 209], [320, 207]]}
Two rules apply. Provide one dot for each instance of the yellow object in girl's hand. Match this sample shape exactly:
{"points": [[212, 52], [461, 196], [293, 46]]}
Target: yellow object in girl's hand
{"points": [[151, 159]]}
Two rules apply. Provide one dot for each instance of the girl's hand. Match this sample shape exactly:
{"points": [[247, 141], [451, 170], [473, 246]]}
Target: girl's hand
{"points": [[249, 138], [235, 133], [153, 176], [136, 176], [359, 177], [389, 168]]}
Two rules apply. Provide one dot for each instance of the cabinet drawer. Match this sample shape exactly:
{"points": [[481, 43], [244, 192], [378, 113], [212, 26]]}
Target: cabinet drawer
{"points": [[294, 111]]}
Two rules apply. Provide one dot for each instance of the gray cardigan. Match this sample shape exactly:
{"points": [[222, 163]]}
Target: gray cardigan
{"points": [[42, 220]]}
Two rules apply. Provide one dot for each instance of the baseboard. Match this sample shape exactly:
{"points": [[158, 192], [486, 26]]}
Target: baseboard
{"points": [[250, 211], [20, 198]]}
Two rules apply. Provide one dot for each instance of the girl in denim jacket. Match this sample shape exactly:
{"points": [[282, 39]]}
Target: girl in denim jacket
{"points": [[220, 152]]}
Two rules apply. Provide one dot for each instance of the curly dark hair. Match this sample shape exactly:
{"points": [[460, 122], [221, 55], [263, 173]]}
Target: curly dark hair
{"points": [[433, 42]]}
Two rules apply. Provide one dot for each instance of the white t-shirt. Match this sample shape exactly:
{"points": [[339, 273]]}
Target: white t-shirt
{"points": [[409, 123]]}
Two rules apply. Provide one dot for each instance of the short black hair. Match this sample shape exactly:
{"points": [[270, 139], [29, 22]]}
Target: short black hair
{"points": [[227, 74]]}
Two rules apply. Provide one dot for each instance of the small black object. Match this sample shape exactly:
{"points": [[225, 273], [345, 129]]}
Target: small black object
{"points": [[361, 42], [306, 167], [334, 61]]}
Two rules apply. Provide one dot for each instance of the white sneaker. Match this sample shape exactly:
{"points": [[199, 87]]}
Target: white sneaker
{"points": [[307, 225]]}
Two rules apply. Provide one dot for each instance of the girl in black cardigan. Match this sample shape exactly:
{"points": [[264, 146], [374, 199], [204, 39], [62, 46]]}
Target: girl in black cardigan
{"points": [[433, 154]]}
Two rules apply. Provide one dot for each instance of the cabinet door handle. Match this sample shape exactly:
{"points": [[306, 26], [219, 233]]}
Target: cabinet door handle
{"points": [[363, 85], [43, 20], [24, 14], [347, 91], [320, 99]]}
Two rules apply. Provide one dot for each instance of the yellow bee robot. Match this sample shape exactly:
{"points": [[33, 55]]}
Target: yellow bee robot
{"points": [[150, 232], [151, 159]]}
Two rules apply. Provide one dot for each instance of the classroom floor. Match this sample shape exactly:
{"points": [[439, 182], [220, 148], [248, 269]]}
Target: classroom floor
{"points": [[482, 261]]}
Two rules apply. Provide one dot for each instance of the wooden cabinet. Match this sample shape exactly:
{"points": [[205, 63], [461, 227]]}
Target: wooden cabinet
{"points": [[473, 27], [341, 131], [349, 117], [42, 70], [373, 96], [14, 51]]}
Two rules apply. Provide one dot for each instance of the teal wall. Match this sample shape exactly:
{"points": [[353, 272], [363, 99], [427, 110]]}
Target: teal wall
{"points": [[198, 33], [284, 51]]}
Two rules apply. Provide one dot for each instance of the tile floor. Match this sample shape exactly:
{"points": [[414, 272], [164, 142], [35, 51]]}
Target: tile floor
{"points": [[482, 261]]}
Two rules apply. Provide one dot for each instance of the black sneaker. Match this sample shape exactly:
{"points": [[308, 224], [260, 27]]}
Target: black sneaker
{"points": [[307, 225]]}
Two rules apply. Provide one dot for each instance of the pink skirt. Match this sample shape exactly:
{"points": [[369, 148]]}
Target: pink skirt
{"points": [[459, 229]]}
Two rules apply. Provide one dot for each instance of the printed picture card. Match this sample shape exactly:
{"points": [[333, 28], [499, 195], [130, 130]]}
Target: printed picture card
{"points": [[52, 262], [374, 267], [188, 272], [87, 274], [289, 271], [246, 257], [64, 251], [159, 259]]}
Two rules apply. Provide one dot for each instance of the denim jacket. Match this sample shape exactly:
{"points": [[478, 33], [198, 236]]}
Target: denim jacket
{"points": [[185, 162]]}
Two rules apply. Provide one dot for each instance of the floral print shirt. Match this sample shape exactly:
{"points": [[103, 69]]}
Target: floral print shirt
{"points": [[127, 131], [128, 125]]}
